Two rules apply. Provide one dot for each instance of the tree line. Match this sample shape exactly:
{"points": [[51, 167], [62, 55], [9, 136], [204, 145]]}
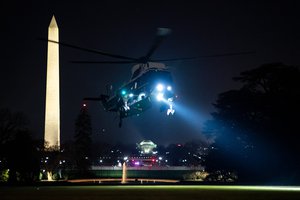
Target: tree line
{"points": [[256, 127]]}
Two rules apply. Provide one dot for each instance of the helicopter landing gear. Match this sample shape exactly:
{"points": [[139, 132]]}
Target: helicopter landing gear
{"points": [[170, 110]]}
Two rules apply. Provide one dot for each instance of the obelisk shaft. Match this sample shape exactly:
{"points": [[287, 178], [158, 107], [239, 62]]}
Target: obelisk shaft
{"points": [[52, 112]]}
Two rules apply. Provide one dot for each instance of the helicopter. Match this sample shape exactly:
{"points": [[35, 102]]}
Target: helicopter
{"points": [[151, 81]]}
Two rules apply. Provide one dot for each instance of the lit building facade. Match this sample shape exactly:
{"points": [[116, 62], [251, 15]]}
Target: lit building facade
{"points": [[147, 147]]}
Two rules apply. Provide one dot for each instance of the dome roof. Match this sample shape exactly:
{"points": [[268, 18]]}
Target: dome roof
{"points": [[147, 142]]}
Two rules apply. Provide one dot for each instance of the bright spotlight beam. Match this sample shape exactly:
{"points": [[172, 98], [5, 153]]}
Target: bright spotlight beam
{"points": [[191, 116]]}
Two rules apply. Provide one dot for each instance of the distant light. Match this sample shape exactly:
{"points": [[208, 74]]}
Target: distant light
{"points": [[166, 160], [179, 145], [159, 158], [137, 163], [125, 158], [160, 87], [86, 158], [123, 92], [160, 96], [153, 160], [130, 95], [169, 88], [100, 161], [84, 105], [119, 165]]}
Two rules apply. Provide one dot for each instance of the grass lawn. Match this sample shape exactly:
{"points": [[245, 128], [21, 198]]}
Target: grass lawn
{"points": [[183, 192]]}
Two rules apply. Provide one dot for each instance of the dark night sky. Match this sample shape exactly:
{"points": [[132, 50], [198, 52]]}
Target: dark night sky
{"points": [[270, 28]]}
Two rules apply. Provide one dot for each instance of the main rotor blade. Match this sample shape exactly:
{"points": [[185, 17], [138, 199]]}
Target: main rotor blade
{"points": [[161, 34], [206, 56], [90, 50], [93, 99], [173, 59], [103, 62]]}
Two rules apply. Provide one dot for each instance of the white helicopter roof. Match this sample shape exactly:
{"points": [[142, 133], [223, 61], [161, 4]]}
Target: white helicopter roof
{"points": [[143, 67]]}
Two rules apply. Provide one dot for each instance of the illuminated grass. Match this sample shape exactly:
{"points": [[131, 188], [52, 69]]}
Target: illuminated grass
{"points": [[198, 187], [124, 192]]}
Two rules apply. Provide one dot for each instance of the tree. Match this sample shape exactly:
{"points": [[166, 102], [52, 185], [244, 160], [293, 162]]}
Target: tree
{"points": [[255, 126], [10, 123], [22, 158], [18, 150], [83, 142]]}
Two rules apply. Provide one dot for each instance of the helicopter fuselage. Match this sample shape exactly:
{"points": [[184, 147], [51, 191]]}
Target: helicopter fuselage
{"points": [[152, 83]]}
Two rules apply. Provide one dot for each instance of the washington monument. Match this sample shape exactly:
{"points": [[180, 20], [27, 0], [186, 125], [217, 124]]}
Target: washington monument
{"points": [[52, 112]]}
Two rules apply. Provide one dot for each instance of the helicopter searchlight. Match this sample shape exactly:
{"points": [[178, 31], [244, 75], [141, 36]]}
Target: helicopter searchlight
{"points": [[164, 94]]}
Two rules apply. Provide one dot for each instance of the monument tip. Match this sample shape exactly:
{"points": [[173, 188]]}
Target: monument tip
{"points": [[53, 23]]}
